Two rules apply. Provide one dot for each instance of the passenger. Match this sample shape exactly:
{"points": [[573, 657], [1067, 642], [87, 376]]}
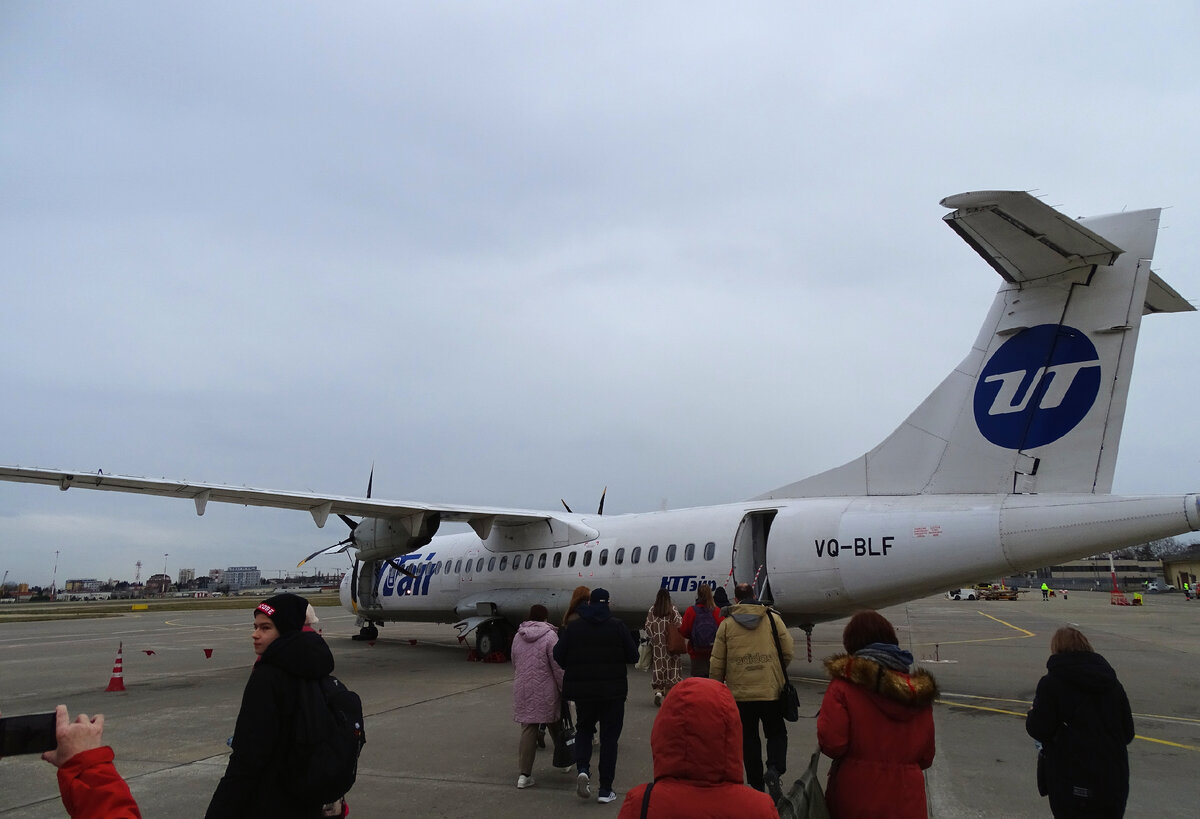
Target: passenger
{"points": [[876, 722], [745, 657], [700, 628], [667, 667], [537, 688], [311, 620], [696, 744], [579, 597], [721, 599], [594, 652], [88, 783], [256, 781], [1082, 719]]}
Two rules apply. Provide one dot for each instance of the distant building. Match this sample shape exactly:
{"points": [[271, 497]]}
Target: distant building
{"points": [[158, 584], [186, 576], [1183, 566], [89, 585], [240, 577], [1093, 573]]}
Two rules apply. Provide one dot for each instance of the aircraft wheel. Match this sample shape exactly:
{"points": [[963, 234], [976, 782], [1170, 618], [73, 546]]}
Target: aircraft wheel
{"points": [[490, 638], [367, 633]]}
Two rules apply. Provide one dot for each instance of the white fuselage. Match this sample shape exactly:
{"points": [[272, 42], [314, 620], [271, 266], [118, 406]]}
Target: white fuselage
{"points": [[816, 558]]}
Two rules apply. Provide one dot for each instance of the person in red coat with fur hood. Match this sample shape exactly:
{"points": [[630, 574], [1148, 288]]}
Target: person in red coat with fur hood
{"points": [[876, 723], [696, 743]]}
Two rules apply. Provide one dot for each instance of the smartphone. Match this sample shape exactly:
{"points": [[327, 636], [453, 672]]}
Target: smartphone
{"points": [[30, 734]]}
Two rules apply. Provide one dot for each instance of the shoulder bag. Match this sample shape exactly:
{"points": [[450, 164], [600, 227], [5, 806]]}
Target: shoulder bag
{"points": [[788, 698]]}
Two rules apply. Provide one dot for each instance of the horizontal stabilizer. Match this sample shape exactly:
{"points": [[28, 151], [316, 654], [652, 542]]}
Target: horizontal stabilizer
{"points": [[1022, 237]]}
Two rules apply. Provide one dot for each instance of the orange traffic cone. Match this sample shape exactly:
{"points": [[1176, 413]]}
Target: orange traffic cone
{"points": [[117, 682]]}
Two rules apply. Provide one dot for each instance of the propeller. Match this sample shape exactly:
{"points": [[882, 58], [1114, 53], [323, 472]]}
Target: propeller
{"points": [[348, 541], [599, 511]]}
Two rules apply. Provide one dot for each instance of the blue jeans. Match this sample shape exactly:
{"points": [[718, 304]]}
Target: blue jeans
{"points": [[611, 716]]}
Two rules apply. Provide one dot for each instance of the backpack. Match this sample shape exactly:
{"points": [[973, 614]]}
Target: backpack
{"points": [[328, 733], [704, 628]]}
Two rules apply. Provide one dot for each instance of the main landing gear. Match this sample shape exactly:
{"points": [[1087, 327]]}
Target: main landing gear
{"points": [[368, 632]]}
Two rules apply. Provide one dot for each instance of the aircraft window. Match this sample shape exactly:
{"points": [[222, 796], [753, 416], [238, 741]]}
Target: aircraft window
{"points": [[557, 559], [458, 566], [529, 561], [491, 564], [670, 558], [710, 550], [449, 563], [652, 555], [689, 551], [542, 560], [479, 565], [619, 557], [604, 557], [636, 554], [516, 562], [571, 559], [504, 563], [587, 558]]}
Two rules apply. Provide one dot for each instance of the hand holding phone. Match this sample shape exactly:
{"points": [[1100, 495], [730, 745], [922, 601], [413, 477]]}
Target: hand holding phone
{"points": [[29, 734], [83, 734]]}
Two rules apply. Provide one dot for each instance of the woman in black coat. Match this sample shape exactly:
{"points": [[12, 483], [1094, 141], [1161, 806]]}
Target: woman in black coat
{"points": [[1081, 717]]}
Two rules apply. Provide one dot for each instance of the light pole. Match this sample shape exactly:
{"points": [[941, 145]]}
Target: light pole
{"points": [[54, 578], [167, 577]]}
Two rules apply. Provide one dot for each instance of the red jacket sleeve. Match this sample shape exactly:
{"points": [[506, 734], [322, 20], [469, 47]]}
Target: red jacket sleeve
{"points": [[91, 788]]}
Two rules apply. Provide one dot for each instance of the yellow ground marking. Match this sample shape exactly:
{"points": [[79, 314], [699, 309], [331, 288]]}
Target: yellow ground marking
{"points": [[1022, 715]]}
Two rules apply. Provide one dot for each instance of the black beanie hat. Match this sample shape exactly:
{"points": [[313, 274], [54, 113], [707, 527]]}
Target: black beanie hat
{"points": [[285, 610]]}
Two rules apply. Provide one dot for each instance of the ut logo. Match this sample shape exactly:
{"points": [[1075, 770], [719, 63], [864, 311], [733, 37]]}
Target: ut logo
{"points": [[1037, 387]]}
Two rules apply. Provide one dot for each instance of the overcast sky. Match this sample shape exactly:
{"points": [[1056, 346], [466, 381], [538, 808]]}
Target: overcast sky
{"points": [[509, 253]]}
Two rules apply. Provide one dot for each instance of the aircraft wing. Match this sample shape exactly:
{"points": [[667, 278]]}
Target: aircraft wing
{"points": [[480, 518]]}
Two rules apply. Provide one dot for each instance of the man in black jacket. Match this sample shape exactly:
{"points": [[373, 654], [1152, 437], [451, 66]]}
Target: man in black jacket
{"points": [[594, 651], [256, 781]]}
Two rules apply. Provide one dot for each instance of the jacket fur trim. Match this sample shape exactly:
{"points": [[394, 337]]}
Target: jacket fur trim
{"points": [[914, 690]]}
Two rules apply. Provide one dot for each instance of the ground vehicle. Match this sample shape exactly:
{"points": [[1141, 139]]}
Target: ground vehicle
{"points": [[1156, 586], [996, 593], [963, 594]]}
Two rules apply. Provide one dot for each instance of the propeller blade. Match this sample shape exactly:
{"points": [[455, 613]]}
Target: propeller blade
{"points": [[564, 503], [370, 480], [400, 568], [345, 544], [600, 511], [351, 522], [354, 587]]}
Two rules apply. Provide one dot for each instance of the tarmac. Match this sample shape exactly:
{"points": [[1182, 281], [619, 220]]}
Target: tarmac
{"points": [[441, 742]]}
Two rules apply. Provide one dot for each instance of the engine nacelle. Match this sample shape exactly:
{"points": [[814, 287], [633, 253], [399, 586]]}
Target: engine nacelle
{"points": [[378, 538]]}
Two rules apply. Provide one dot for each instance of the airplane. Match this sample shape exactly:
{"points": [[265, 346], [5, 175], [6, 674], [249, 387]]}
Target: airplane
{"points": [[1007, 466]]}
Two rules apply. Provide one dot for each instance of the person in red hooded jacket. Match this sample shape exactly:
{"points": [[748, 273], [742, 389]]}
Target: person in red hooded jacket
{"points": [[876, 723], [696, 743], [89, 785]]}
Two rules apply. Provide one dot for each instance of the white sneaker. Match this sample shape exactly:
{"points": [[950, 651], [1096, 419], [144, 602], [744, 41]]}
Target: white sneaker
{"points": [[605, 797], [524, 781], [658, 697], [583, 786]]}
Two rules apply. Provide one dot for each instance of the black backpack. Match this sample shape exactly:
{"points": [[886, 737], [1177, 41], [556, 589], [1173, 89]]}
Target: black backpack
{"points": [[704, 628], [328, 734]]}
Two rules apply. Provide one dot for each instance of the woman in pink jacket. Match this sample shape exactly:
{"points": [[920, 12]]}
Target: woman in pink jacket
{"points": [[537, 687]]}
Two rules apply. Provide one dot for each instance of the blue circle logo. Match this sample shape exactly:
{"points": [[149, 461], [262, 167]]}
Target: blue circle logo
{"points": [[1037, 387]]}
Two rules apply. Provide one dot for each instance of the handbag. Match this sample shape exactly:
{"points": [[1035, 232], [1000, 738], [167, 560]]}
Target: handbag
{"points": [[564, 749], [645, 657], [805, 800], [676, 645], [789, 698]]}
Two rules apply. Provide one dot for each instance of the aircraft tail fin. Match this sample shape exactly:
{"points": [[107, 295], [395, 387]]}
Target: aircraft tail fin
{"points": [[1039, 402]]}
